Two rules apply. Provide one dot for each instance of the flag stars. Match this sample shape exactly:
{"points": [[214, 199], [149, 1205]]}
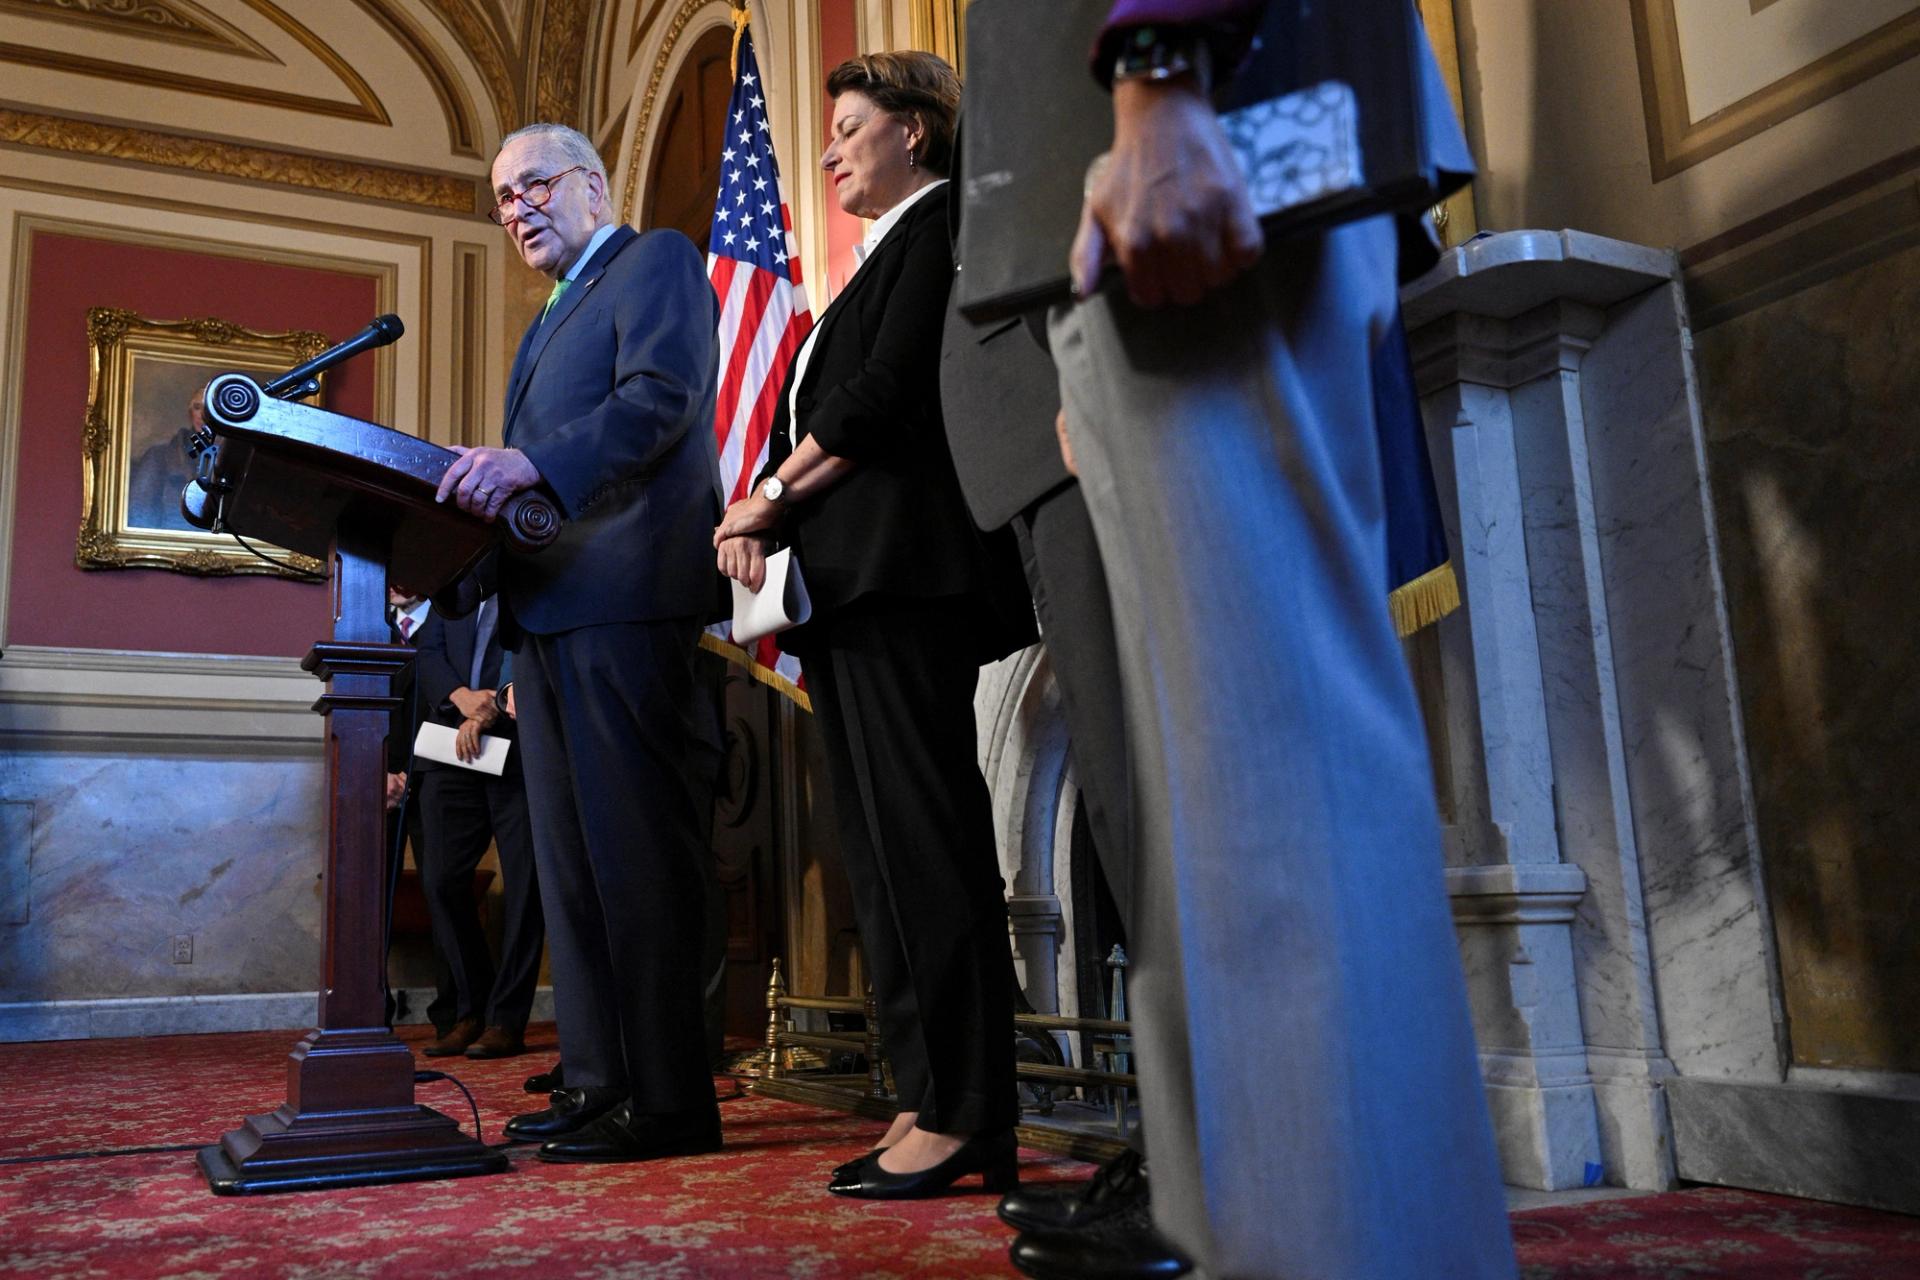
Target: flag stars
{"points": [[757, 101], [753, 162], [728, 238], [728, 155], [745, 138], [752, 243], [759, 184]]}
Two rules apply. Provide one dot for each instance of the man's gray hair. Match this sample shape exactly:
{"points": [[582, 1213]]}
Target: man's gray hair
{"points": [[571, 143]]}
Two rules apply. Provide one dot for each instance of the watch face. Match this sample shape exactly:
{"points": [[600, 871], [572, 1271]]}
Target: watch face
{"points": [[773, 488]]}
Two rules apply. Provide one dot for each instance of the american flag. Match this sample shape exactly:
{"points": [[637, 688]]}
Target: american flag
{"points": [[763, 320]]}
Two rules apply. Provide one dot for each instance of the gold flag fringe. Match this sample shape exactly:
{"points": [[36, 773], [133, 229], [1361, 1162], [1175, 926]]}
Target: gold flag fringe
{"points": [[1427, 599], [740, 18], [765, 675]]}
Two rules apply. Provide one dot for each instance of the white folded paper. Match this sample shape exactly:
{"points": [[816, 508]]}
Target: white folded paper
{"points": [[435, 742], [781, 601]]}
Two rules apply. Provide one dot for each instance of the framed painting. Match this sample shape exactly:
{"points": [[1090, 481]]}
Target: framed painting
{"points": [[1714, 73], [138, 452]]}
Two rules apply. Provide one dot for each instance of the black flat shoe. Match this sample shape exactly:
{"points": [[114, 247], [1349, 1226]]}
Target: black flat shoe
{"points": [[571, 1111], [547, 1081], [1122, 1246], [846, 1170], [1120, 1184], [624, 1134], [992, 1155]]}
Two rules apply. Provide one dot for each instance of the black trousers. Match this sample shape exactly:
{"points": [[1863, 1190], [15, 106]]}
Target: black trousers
{"points": [[463, 812], [606, 717], [892, 686], [1069, 587]]}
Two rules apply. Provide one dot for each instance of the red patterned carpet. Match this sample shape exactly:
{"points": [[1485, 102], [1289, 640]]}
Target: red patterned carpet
{"points": [[755, 1209]]}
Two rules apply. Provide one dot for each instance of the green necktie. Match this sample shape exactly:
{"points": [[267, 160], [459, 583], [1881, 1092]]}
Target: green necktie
{"points": [[559, 287]]}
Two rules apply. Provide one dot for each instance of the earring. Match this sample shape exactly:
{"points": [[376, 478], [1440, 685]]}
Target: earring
{"points": [[913, 161]]}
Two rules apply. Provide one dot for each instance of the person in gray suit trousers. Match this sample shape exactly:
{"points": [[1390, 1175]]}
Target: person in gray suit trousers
{"points": [[1308, 1076], [610, 407]]}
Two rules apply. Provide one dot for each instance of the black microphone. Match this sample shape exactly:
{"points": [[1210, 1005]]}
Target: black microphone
{"points": [[383, 330]]}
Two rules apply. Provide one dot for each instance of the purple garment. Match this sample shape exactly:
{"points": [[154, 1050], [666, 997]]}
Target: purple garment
{"points": [[1231, 23]]}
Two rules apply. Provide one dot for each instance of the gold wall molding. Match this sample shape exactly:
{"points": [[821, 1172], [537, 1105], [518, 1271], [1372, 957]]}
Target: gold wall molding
{"points": [[469, 416], [464, 135], [483, 42], [559, 62], [656, 77], [178, 22], [1675, 141], [444, 192], [365, 108]]}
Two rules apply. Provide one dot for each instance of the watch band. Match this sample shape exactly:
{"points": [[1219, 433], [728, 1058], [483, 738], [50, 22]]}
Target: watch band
{"points": [[1159, 52]]}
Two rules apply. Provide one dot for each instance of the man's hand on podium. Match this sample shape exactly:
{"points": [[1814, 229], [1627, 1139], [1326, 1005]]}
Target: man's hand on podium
{"points": [[481, 480]]}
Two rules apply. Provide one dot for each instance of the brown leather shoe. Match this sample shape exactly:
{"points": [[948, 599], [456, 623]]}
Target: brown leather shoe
{"points": [[455, 1042], [498, 1042]]}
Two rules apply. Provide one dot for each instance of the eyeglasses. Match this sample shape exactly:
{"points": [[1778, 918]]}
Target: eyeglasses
{"points": [[538, 192]]}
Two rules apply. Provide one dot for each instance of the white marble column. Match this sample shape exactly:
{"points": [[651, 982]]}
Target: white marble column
{"points": [[1600, 842]]}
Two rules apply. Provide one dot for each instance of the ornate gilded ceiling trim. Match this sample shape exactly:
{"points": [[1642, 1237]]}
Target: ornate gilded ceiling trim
{"points": [[463, 125], [440, 191], [655, 76], [484, 45], [367, 109], [361, 90], [643, 18], [179, 22], [559, 63]]}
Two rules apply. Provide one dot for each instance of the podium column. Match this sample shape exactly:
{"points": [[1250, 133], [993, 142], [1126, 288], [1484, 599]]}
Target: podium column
{"points": [[350, 1118]]}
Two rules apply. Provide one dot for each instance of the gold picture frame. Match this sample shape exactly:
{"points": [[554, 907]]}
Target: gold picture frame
{"points": [[1676, 141], [142, 375]]}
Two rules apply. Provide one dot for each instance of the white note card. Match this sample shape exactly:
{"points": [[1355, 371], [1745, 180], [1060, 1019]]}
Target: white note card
{"points": [[435, 742]]}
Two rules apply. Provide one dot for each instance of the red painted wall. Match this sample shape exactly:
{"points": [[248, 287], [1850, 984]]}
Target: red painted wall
{"points": [[838, 42], [53, 602]]}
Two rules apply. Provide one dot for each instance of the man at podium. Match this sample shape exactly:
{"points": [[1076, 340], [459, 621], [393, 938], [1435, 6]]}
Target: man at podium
{"points": [[610, 406]]}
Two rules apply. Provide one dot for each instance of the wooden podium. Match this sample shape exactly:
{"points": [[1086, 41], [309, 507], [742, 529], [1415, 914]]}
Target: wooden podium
{"points": [[360, 498]]}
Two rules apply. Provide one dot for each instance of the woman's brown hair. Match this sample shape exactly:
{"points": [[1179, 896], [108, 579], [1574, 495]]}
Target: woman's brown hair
{"points": [[908, 84]]}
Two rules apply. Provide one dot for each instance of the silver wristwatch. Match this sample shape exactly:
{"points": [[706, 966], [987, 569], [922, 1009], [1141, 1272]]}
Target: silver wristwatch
{"points": [[773, 490]]}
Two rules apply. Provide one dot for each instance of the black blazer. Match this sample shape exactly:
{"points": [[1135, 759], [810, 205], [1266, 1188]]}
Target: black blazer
{"points": [[999, 393], [612, 398], [897, 527]]}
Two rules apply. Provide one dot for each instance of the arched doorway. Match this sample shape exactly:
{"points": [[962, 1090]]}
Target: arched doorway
{"points": [[683, 175]]}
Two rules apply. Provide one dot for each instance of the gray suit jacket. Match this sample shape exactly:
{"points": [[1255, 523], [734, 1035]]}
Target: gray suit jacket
{"points": [[612, 398]]}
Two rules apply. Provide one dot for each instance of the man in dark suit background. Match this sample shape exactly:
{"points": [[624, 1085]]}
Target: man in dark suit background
{"points": [[463, 811], [610, 406], [408, 620]]}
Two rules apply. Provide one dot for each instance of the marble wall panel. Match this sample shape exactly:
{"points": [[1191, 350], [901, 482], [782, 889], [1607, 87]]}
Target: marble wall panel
{"points": [[1809, 410], [129, 853], [1698, 909]]}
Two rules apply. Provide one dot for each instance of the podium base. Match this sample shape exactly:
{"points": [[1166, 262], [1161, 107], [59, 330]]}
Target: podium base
{"points": [[275, 1152]]}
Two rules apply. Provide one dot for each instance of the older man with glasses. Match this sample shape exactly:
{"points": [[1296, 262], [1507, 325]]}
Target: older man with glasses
{"points": [[610, 407]]}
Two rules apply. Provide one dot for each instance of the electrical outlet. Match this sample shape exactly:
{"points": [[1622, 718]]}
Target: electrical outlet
{"points": [[183, 948]]}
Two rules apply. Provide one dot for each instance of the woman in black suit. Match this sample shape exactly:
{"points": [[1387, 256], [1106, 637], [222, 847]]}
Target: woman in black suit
{"points": [[908, 600]]}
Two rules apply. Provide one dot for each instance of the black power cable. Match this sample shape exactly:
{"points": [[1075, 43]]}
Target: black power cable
{"points": [[101, 1154], [428, 1077]]}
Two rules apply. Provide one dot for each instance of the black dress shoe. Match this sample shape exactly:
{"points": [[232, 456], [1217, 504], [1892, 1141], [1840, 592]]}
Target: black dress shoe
{"points": [[572, 1111], [626, 1134], [547, 1081], [1120, 1246], [1121, 1183], [992, 1155]]}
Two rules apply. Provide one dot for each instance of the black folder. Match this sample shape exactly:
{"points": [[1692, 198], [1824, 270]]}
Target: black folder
{"points": [[1035, 119]]}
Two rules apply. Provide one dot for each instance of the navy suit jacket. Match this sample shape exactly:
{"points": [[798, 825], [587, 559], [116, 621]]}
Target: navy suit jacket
{"points": [[612, 398]]}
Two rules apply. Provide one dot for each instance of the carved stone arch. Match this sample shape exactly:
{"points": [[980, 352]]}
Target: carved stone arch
{"points": [[465, 134], [1023, 737], [670, 45], [682, 177]]}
